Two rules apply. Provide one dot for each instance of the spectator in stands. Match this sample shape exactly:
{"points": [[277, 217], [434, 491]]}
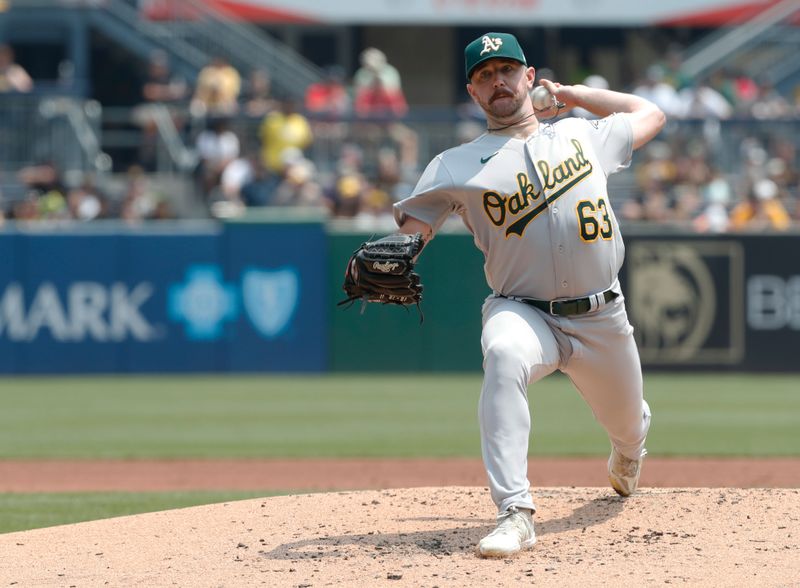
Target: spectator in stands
{"points": [[379, 95], [217, 90], [281, 130], [162, 92], [260, 189], [41, 178], [327, 103], [375, 210], [13, 77], [225, 200], [753, 159], [655, 89], [379, 101], [216, 147], [714, 216], [656, 206], [236, 174], [257, 100], [26, 209], [746, 90], [692, 164], [769, 103], [658, 167], [346, 193], [45, 193], [762, 210], [782, 172], [702, 101], [161, 84], [377, 87], [672, 68], [350, 159], [328, 99], [300, 187], [86, 202], [389, 176], [140, 202], [686, 203]]}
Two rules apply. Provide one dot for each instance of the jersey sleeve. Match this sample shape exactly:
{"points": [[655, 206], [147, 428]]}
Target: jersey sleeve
{"points": [[612, 140], [431, 201]]}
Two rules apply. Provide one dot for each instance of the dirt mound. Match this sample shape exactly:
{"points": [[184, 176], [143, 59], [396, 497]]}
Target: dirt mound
{"points": [[306, 475], [426, 537]]}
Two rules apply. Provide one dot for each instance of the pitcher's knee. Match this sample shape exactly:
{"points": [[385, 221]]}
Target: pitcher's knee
{"points": [[508, 357]]}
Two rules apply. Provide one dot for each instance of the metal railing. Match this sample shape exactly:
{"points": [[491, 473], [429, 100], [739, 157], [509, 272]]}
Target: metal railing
{"points": [[119, 17], [201, 32], [251, 49], [82, 120], [181, 157], [720, 46], [60, 129], [204, 31]]}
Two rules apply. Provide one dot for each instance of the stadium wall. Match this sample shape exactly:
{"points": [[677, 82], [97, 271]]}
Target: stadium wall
{"points": [[246, 297], [729, 302], [261, 297]]}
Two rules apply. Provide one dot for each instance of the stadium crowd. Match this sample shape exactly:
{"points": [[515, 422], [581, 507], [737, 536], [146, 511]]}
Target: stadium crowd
{"points": [[712, 172]]}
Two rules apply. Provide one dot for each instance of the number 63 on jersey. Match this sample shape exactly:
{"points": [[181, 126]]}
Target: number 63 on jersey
{"points": [[594, 220]]}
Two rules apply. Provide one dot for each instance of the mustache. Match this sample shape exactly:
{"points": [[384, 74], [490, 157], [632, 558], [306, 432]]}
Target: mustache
{"points": [[501, 94]]}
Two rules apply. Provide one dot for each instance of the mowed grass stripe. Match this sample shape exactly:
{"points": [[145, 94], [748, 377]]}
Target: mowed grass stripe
{"points": [[20, 512], [372, 416]]}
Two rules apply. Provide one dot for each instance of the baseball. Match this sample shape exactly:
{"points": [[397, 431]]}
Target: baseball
{"points": [[542, 99]]}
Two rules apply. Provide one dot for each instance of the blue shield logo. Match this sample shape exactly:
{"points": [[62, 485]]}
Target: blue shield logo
{"points": [[203, 302], [270, 298]]}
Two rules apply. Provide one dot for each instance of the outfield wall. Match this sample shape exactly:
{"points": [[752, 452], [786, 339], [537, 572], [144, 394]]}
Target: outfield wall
{"points": [[197, 298], [727, 302], [261, 296]]}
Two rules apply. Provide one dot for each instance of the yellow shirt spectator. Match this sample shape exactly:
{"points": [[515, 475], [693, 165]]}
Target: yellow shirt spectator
{"points": [[762, 210], [217, 90], [280, 131]]}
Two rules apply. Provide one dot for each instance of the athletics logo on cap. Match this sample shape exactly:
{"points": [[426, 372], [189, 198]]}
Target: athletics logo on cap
{"points": [[492, 45]]}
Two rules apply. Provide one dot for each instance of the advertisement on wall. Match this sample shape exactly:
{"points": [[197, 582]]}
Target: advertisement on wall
{"points": [[241, 299], [727, 302]]}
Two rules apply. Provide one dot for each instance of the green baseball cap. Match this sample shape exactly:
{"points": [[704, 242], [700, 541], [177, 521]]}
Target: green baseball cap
{"points": [[492, 45]]}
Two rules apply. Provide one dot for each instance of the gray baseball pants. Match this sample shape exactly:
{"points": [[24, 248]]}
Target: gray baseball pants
{"points": [[521, 345]]}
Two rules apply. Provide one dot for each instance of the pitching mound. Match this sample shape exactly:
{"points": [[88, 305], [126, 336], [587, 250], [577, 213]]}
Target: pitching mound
{"points": [[426, 537]]}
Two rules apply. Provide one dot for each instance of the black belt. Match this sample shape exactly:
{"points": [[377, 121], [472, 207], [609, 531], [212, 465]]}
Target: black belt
{"points": [[569, 307]]}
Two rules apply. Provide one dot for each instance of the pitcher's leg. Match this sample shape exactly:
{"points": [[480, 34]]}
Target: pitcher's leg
{"points": [[518, 348], [608, 374]]}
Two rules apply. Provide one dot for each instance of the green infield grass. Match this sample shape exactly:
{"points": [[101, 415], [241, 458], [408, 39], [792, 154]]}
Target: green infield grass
{"points": [[372, 415], [346, 415], [20, 512]]}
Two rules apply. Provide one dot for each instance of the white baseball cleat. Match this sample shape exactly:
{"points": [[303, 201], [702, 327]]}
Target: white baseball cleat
{"points": [[623, 473], [514, 532]]}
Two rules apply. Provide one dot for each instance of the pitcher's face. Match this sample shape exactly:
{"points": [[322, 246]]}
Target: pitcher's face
{"points": [[500, 87]]}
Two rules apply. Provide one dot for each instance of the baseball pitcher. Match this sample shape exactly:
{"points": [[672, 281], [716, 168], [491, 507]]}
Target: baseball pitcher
{"points": [[535, 197]]}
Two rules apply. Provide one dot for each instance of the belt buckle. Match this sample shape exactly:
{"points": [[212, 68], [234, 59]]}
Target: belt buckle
{"points": [[552, 311]]}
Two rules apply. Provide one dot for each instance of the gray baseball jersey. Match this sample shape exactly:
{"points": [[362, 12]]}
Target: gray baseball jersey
{"points": [[538, 208], [540, 212]]}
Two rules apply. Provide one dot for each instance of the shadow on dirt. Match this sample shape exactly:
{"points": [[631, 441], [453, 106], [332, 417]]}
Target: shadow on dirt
{"points": [[439, 543], [596, 511]]}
